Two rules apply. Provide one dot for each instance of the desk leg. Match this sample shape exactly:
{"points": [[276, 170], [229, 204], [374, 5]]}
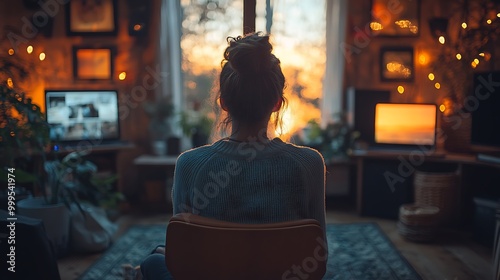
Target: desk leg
{"points": [[359, 186]]}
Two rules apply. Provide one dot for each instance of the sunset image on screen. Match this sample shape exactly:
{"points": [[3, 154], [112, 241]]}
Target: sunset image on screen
{"points": [[411, 124]]}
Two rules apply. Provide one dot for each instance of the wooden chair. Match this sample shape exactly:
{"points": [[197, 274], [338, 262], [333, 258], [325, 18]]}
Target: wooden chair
{"points": [[203, 248]]}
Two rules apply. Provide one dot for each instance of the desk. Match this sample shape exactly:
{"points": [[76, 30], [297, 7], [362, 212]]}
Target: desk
{"points": [[380, 195], [155, 177], [150, 160]]}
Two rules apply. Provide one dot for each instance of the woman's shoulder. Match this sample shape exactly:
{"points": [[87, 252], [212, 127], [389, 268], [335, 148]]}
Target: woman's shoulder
{"points": [[303, 152], [194, 154]]}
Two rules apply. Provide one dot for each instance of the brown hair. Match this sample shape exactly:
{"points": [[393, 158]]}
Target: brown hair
{"points": [[251, 82]]}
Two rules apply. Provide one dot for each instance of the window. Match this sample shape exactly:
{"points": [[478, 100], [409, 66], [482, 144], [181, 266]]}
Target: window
{"points": [[297, 30]]}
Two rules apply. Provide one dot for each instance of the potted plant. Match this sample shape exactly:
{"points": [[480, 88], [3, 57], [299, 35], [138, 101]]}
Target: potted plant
{"points": [[196, 125], [71, 183], [159, 112]]}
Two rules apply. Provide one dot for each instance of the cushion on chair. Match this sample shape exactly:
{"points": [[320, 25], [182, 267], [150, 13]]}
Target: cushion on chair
{"points": [[203, 248]]}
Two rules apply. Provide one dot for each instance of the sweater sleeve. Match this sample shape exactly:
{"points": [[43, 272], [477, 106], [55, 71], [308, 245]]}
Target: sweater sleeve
{"points": [[180, 193], [317, 170]]}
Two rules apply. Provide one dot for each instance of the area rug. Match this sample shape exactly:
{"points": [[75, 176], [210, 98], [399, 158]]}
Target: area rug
{"points": [[356, 251]]}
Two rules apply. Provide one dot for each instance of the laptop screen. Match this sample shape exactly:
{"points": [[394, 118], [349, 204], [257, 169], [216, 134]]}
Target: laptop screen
{"points": [[75, 115], [405, 124]]}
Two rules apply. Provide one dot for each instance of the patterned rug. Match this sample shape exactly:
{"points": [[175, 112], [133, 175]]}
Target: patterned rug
{"points": [[356, 251]]}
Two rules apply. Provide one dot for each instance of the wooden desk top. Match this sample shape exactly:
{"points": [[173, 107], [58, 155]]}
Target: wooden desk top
{"points": [[438, 156], [155, 160]]}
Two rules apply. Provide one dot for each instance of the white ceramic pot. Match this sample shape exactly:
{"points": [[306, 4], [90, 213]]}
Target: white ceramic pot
{"points": [[55, 217], [159, 147]]}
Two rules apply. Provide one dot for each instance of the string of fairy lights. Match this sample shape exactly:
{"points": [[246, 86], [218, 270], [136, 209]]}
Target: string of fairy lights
{"points": [[468, 49], [460, 52]]}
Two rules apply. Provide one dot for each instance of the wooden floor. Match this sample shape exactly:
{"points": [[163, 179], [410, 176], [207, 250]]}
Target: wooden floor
{"points": [[454, 257]]}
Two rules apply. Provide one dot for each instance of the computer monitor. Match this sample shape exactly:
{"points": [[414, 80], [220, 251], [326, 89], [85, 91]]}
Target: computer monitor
{"points": [[76, 115], [405, 124]]}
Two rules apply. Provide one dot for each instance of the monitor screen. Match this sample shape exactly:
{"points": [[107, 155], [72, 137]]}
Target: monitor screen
{"points": [[405, 124], [485, 106], [75, 115]]}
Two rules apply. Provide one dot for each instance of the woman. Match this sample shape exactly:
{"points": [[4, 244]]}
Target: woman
{"points": [[247, 177]]}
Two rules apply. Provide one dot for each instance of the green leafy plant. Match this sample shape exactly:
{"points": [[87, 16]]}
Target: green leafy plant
{"points": [[336, 139], [159, 112], [193, 122], [74, 178], [23, 129]]}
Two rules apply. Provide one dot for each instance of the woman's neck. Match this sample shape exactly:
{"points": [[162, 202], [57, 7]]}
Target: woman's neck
{"points": [[249, 133]]}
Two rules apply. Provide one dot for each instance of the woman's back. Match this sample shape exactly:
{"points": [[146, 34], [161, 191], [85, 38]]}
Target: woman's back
{"points": [[251, 182]]}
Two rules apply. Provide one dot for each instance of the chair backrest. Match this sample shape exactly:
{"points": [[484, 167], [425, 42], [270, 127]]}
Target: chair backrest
{"points": [[203, 248]]}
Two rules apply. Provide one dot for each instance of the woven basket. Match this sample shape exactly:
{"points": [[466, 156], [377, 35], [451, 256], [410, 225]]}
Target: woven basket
{"points": [[437, 189], [415, 215], [418, 223]]}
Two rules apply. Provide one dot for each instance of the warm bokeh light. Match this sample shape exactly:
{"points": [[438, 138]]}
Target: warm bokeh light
{"points": [[29, 49], [473, 64], [446, 106], [488, 21], [464, 25], [481, 54], [122, 76], [296, 115], [401, 89], [376, 26], [442, 40], [42, 56], [498, 15], [137, 27], [11, 51], [10, 83], [423, 58], [431, 76], [437, 85], [458, 56]]}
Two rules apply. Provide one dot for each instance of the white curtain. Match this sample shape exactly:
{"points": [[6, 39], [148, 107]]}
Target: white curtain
{"points": [[170, 55], [336, 15]]}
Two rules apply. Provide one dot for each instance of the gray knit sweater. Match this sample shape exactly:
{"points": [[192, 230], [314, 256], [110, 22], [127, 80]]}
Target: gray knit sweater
{"points": [[251, 182]]}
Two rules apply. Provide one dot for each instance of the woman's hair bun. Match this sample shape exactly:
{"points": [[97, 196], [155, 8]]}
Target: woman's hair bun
{"points": [[249, 54]]}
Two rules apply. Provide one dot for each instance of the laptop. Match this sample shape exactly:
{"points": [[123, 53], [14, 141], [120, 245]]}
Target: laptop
{"points": [[405, 127], [77, 116]]}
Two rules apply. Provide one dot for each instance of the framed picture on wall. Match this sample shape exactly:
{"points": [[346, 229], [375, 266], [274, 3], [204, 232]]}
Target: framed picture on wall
{"points": [[91, 17], [395, 18], [396, 64], [91, 63]]}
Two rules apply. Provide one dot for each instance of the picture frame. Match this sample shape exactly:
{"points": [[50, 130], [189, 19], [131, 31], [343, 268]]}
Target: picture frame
{"points": [[91, 17], [93, 63], [395, 18], [397, 64]]}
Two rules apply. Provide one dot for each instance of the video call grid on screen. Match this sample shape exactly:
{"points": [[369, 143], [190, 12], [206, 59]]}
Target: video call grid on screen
{"points": [[82, 115], [405, 124]]}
